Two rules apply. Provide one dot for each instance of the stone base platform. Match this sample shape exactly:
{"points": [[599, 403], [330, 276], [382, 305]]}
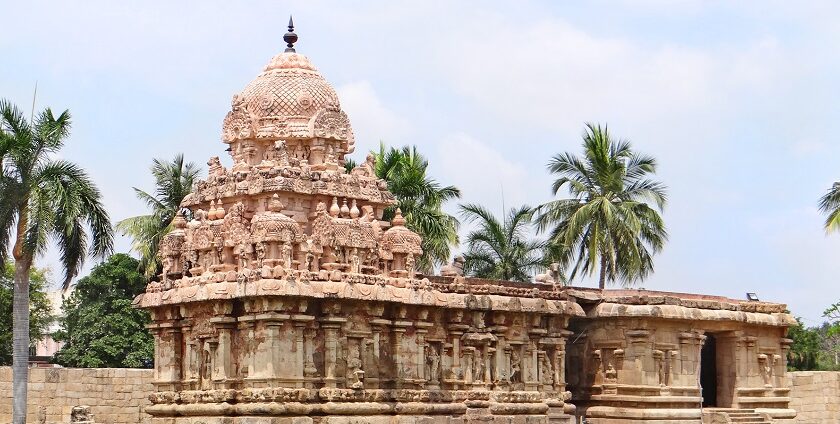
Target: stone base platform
{"points": [[374, 419]]}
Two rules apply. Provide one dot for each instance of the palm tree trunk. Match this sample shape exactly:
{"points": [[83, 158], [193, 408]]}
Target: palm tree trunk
{"points": [[20, 348], [602, 279], [20, 320]]}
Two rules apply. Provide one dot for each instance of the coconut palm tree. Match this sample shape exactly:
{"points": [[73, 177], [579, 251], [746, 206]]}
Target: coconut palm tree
{"points": [[420, 199], [501, 250], [43, 199], [830, 205], [611, 220], [173, 181]]}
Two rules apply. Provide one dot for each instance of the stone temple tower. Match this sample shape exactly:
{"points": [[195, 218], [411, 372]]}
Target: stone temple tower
{"points": [[284, 294], [285, 298]]}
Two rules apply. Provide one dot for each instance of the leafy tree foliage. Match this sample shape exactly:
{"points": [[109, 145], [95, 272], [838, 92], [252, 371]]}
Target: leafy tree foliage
{"points": [[100, 328], [814, 348], [805, 348], [420, 200], [39, 310], [611, 220], [501, 250], [173, 181]]}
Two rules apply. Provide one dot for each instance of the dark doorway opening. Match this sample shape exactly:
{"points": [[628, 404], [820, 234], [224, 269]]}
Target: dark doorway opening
{"points": [[708, 371]]}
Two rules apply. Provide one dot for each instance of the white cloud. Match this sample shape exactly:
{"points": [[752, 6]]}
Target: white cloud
{"points": [[482, 173], [372, 121]]}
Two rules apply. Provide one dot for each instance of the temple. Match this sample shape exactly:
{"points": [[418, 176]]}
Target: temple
{"points": [[285, 298]]}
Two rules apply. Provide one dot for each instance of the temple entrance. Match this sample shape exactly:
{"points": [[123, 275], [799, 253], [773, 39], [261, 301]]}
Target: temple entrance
{"points": [[708, 371]]}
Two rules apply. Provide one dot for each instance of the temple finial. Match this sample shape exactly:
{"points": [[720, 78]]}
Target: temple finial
{"points": [[290, 38]]}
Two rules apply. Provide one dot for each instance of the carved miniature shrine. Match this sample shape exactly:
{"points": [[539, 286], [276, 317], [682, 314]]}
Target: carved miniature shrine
{"points": [[285, 294]]}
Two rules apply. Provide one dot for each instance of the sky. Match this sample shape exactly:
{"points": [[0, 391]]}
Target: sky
{"points": [[736, 100]]}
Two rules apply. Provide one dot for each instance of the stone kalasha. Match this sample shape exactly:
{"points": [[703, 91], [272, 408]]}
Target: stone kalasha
{"points": [[283, 293]]}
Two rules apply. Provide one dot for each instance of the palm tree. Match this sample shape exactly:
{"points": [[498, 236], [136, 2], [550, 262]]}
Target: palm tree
{"points": [[44, 199], [173, 181], [420, 199], [830, 205], [607, 222], [501, 250]]}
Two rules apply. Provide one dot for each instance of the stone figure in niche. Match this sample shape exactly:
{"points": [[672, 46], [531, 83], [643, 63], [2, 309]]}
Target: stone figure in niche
{"points": [[515, 367], [611, 375], [241, 251], [281, 156], [432, 363], [765, 366], [354, 367], [286, 255], [355, 262], [195, 360], [206, 369], [260, 254], [307, 263], [478, 367], [546, 372], [409, 265]]}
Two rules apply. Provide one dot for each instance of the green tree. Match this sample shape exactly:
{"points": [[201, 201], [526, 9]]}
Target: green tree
{"points": [[830, 205], [39, 312], [501, 250], [420, 199], [43, 200], [173, 181], [608, 222], [805, 349], [100, 327]]}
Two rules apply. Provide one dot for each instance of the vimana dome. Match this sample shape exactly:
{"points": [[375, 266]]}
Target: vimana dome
{"points": [[285, 298]]}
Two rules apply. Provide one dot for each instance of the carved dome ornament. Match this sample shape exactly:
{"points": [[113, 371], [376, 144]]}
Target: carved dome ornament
{"points": [[399, 239], [274, 226], [289, 99]]}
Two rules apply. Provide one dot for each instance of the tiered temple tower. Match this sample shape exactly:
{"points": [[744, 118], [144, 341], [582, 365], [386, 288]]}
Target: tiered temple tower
{"points": [[284, 294]]}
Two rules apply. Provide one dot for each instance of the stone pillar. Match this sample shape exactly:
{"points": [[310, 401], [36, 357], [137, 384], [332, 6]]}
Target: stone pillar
{"points": [[168, 356], [247, 327], [783, 363], [223, 369], [300, 323], [273, 343], [310, 372], [502, 377], [485, 358], [456, 331], [420, 331], [530, 367], [469, 353], [750, 367], [398, 329], [330, 326], [377, 325], [187, 376]]}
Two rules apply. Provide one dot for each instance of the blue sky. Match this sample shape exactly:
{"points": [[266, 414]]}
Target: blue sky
{"points": [[737, 100]]}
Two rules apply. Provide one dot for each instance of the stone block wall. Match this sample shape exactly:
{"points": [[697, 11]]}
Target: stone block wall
{"points": [[115, 395], [815, 395]]}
